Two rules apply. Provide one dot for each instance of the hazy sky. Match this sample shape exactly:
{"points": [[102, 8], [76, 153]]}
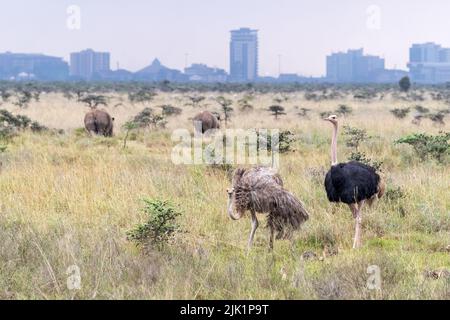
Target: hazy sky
{"points": [[302, 32]]}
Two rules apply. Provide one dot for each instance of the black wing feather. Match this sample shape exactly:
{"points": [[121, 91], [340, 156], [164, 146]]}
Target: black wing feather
{"points": [[351, 182]]}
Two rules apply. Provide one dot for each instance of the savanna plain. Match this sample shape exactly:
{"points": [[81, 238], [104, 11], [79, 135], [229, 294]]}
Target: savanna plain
{"points": [[68, 199]]}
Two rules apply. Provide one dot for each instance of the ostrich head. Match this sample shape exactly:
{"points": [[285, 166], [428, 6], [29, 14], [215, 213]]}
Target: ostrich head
{"points": [[230, 205], [332, 119], [230, 193]]}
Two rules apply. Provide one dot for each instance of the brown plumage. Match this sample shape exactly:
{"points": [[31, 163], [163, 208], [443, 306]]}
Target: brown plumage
{"points": [[260, 190]]}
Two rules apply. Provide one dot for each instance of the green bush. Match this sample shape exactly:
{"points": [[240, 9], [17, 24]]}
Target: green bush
{"points": [[169, 110], [400, 113], [354, 137], [160, 225], [344, 110], [147, 118], [284, 144], [432, 146], [362, 157]]}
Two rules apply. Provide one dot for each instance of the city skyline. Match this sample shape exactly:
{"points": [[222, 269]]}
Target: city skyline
{"points": [[302, 33], [428, 63]]}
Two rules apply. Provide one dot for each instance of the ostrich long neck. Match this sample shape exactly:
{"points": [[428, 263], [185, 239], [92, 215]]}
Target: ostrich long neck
{"points": [[334, 145], [232, 215]]}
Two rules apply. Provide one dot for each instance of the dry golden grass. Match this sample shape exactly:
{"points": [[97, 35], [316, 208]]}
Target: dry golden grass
{"points": [[69, 200]]}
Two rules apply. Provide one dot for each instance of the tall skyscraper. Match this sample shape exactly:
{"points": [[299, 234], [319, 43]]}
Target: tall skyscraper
{"points": [[429, 63], [244, 55], [87, 63]]}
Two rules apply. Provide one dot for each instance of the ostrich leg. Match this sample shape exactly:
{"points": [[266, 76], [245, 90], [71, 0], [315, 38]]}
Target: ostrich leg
{"points": [[271, 238], [358, 218], [255, 225]]}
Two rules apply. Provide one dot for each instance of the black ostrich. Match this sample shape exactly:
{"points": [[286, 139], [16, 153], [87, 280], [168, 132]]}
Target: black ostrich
{"points": [[353, 183]]}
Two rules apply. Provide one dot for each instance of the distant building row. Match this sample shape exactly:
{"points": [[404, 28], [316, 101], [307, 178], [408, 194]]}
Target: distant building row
{"points": [[91, 65], [353, 66], [428, 63]]}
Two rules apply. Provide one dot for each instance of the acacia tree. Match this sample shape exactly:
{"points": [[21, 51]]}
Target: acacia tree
{"points": [[244, 103], [304, 112], [93, 101], [195, 100], [23, 98], [277, 110], [128, 126], [226, 109], [142, 96], [344, 110], [405, 84]]}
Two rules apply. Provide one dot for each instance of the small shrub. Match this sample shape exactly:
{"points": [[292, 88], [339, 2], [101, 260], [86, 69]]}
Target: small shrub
{"points": [[217, 161], [144, 118], [433, 146], [141, 96], [23, 98], [169, 110], [354, 137], [421, 109], [362, 157], [395, 194], [400, 113], [344, 110], [80, 132], [245, 104], [37, 127], [284, 144], [160, 225], [10, 124], [6, 132], [437, 118], [147, 118], [195, 100], [304, 112]]}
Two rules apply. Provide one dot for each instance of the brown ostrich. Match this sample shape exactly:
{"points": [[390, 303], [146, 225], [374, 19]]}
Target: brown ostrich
{"points": [[353, 183], [260, 190]]}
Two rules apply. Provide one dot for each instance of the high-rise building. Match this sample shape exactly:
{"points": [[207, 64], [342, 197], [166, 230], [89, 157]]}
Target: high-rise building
{"points": [[244, 55], [352, 66], [429, 63], [87, 63], [15, 66]]}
